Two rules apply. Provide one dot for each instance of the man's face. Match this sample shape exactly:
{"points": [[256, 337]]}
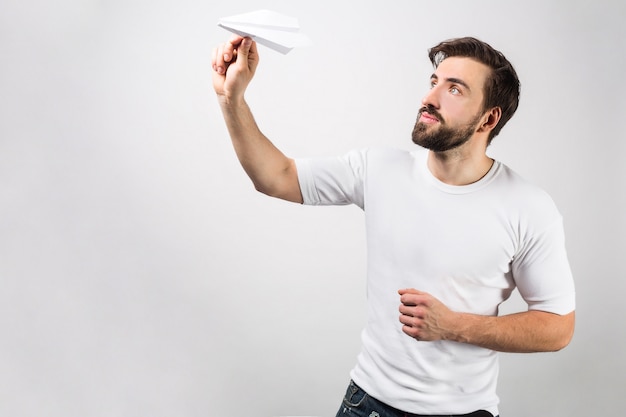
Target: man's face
{"points": [[452, 110]]}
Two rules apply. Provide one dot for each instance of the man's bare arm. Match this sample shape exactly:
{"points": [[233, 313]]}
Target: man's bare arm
{"points": [[272, 173], [529, 331], [425, 318]]}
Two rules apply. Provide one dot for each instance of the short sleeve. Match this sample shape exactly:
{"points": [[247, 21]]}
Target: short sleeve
{"points": [[542, 272], [333, 181]]}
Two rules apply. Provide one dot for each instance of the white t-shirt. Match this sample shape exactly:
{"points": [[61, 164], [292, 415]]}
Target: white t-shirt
{"points": [[469, 246]]}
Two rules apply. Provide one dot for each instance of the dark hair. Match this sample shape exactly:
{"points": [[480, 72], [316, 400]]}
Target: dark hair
{"points": [[502, 87]]}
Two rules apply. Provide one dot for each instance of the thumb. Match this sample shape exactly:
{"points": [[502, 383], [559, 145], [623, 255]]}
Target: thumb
{"points": [[244, 50], [248, 54]]}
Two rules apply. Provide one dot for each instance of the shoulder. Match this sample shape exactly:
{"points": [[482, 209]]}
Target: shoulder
{"points": [[521, 187], [357, 160], [531, 202]]}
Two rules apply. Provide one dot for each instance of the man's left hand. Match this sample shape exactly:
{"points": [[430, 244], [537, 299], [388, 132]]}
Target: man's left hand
{"points": [[424, 317]]}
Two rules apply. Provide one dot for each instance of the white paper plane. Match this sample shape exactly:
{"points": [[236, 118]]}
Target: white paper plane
{"points": [[274, 30]]}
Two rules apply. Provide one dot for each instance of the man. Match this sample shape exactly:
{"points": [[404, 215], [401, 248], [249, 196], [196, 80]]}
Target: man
{"points": [[450, 234]]}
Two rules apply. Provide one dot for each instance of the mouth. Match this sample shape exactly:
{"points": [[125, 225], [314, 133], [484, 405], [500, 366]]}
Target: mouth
{"points": [[428, 118]]}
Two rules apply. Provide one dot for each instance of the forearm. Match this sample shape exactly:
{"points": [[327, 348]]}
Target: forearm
{"points": [[271, 172], [530, 331]]}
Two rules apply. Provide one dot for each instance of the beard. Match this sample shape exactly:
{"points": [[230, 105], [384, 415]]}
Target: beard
{"points": [[442, 138]]}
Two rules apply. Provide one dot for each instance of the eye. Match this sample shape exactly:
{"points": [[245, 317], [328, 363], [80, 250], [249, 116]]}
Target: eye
{"points": [[433, 83], [455, 90]]}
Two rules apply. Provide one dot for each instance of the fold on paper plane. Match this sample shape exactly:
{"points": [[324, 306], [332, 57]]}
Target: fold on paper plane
{"points": [[274, 30]]}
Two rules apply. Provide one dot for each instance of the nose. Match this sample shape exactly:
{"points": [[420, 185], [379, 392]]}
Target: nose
{"points": [[431, 98]]}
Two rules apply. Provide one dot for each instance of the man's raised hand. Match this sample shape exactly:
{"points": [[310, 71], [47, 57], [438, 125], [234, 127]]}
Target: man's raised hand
{"points": [[234, 64]]}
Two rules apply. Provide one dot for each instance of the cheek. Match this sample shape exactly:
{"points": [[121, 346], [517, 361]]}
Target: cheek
{"points": [[451, 112], [457, 112]]}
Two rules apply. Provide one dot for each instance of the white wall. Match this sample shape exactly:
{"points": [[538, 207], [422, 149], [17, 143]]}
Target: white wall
{"points": [[140, 273]]}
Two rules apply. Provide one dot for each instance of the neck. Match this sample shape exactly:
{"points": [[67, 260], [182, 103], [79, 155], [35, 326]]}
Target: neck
{"points": [[461, 166]]}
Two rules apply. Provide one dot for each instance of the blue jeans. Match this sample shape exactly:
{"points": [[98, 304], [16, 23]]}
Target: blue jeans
{"points": [[357, 403]]}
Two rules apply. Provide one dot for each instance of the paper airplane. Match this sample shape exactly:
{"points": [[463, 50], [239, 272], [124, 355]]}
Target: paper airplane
{"points": [[274, 30]]}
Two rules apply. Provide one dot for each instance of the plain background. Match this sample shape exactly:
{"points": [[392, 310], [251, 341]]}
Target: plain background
{"points": [[141, 274]]}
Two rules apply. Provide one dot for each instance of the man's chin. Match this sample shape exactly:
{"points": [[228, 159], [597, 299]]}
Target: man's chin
{"points": [[421, 130], [423, 134], [420, 142]]}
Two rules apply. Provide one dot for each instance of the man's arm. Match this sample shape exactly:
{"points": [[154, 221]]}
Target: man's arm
{"points": [[425, 318], [271, 172]]}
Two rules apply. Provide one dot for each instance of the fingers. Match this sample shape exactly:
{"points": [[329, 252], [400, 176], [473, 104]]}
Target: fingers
{"points": [[413, 297], [409, 321], [412, 311], [413, 326], [217, 61], [410, 291], [415, 322], [230, 48], [235, 40], [226, 54], [222, 56], [247, 54]]}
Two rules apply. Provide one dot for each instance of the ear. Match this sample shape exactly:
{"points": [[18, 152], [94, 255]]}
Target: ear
{"points": [[490, 119]]}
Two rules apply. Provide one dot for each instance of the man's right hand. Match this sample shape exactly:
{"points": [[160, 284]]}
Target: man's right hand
{"points": [[234, 64], [272, 173]]}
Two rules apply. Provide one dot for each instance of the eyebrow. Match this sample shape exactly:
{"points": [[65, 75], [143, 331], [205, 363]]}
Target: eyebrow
{"points": [[453, 81]]}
